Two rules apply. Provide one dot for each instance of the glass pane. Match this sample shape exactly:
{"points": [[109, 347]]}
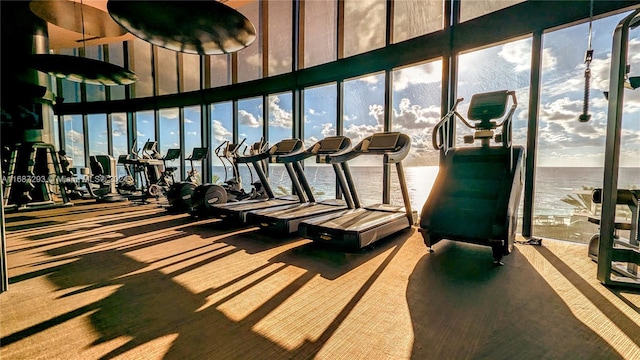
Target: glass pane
{"points": [[250, 58], [413, 18], [416, 102], [280, 38], [167, 71], [191, 72], [146, 128], [364, 25], [95, 92], [119, 133], [250, 127], [192, 135], [364, 115], [98, 136], [220, 70], [470, 9], [280, 112], [116, 56], [142, 67], [320, 26], [170, 134], [71, 90], [221, 131], [56, 132], [502, 67], [320, 117], [280, 117], [571, 153], [74, 139]]}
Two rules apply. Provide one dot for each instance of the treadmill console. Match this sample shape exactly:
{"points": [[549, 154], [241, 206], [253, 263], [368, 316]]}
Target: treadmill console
{"points": [[282, 148], [199, 153], [383, 141], [330, 145], [172, 154]]}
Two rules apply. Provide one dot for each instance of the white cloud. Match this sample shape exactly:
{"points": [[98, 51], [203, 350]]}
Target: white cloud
{"points": [[429, 73], [328, 130], [517, 53], [220, 133], [248, 119], [415, 116], [279, 117]]}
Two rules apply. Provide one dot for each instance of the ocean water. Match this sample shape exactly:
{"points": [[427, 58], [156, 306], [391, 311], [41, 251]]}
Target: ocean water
{"points": [[552, 184], [553, 217]]}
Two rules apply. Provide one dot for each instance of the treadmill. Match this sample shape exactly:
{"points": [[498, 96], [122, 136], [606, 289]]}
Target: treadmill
{"points": [[285, 219], [358, 227], [235, 212]]}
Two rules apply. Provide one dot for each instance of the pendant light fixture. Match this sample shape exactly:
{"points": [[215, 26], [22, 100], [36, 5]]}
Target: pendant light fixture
{"points": [[71, 16], [196, 27]]}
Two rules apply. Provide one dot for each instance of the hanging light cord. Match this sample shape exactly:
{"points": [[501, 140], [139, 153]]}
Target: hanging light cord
{"points": [[588, 56]]}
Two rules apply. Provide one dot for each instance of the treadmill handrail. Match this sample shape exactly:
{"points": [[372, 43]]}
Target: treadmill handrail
{"points": [[314, 150], [270, 152]]}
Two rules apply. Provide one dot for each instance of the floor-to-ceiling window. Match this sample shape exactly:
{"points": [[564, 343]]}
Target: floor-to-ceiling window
{"points": [[193, 136], [502, 67], [74, 139], [221, 131], [320, 114], [251, 129], [170, 136], [95, 92], [145, 127], [364, 25], [167, 71], [363, 115], [191, 72], [280, 125], [571, 153], [119, 135], [412, 18], [415, 109], [116, 57], [250, 58], [280, 37], [320, 19], [142, 67], [470, 9], [97, 134]]}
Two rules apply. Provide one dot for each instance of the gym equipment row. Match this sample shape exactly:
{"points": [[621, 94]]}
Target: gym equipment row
{"points": [[343, 223], [34, 178], [207, 195]]}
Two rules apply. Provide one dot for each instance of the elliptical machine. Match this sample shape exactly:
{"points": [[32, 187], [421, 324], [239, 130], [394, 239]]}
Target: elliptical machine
{"points": [[206, 195], [180, 193]]}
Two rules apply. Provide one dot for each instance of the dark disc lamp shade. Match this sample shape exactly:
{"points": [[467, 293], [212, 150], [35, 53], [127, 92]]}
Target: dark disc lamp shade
{"points": [[83, 70], [196, 27]]}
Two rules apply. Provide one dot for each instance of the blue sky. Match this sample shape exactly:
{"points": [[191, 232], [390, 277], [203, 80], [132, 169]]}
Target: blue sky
{"points": [[563, 141]]}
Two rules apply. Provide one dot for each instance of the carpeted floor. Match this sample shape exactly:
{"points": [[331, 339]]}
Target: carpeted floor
{"points": [[102, 281]]}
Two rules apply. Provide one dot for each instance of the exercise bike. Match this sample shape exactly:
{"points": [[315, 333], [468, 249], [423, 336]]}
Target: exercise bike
{"points": [[231, 190], [180, 193], [144, 166]]}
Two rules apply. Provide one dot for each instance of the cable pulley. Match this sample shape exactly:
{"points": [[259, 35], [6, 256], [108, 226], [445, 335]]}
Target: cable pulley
{"points": [[588, 56]]}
